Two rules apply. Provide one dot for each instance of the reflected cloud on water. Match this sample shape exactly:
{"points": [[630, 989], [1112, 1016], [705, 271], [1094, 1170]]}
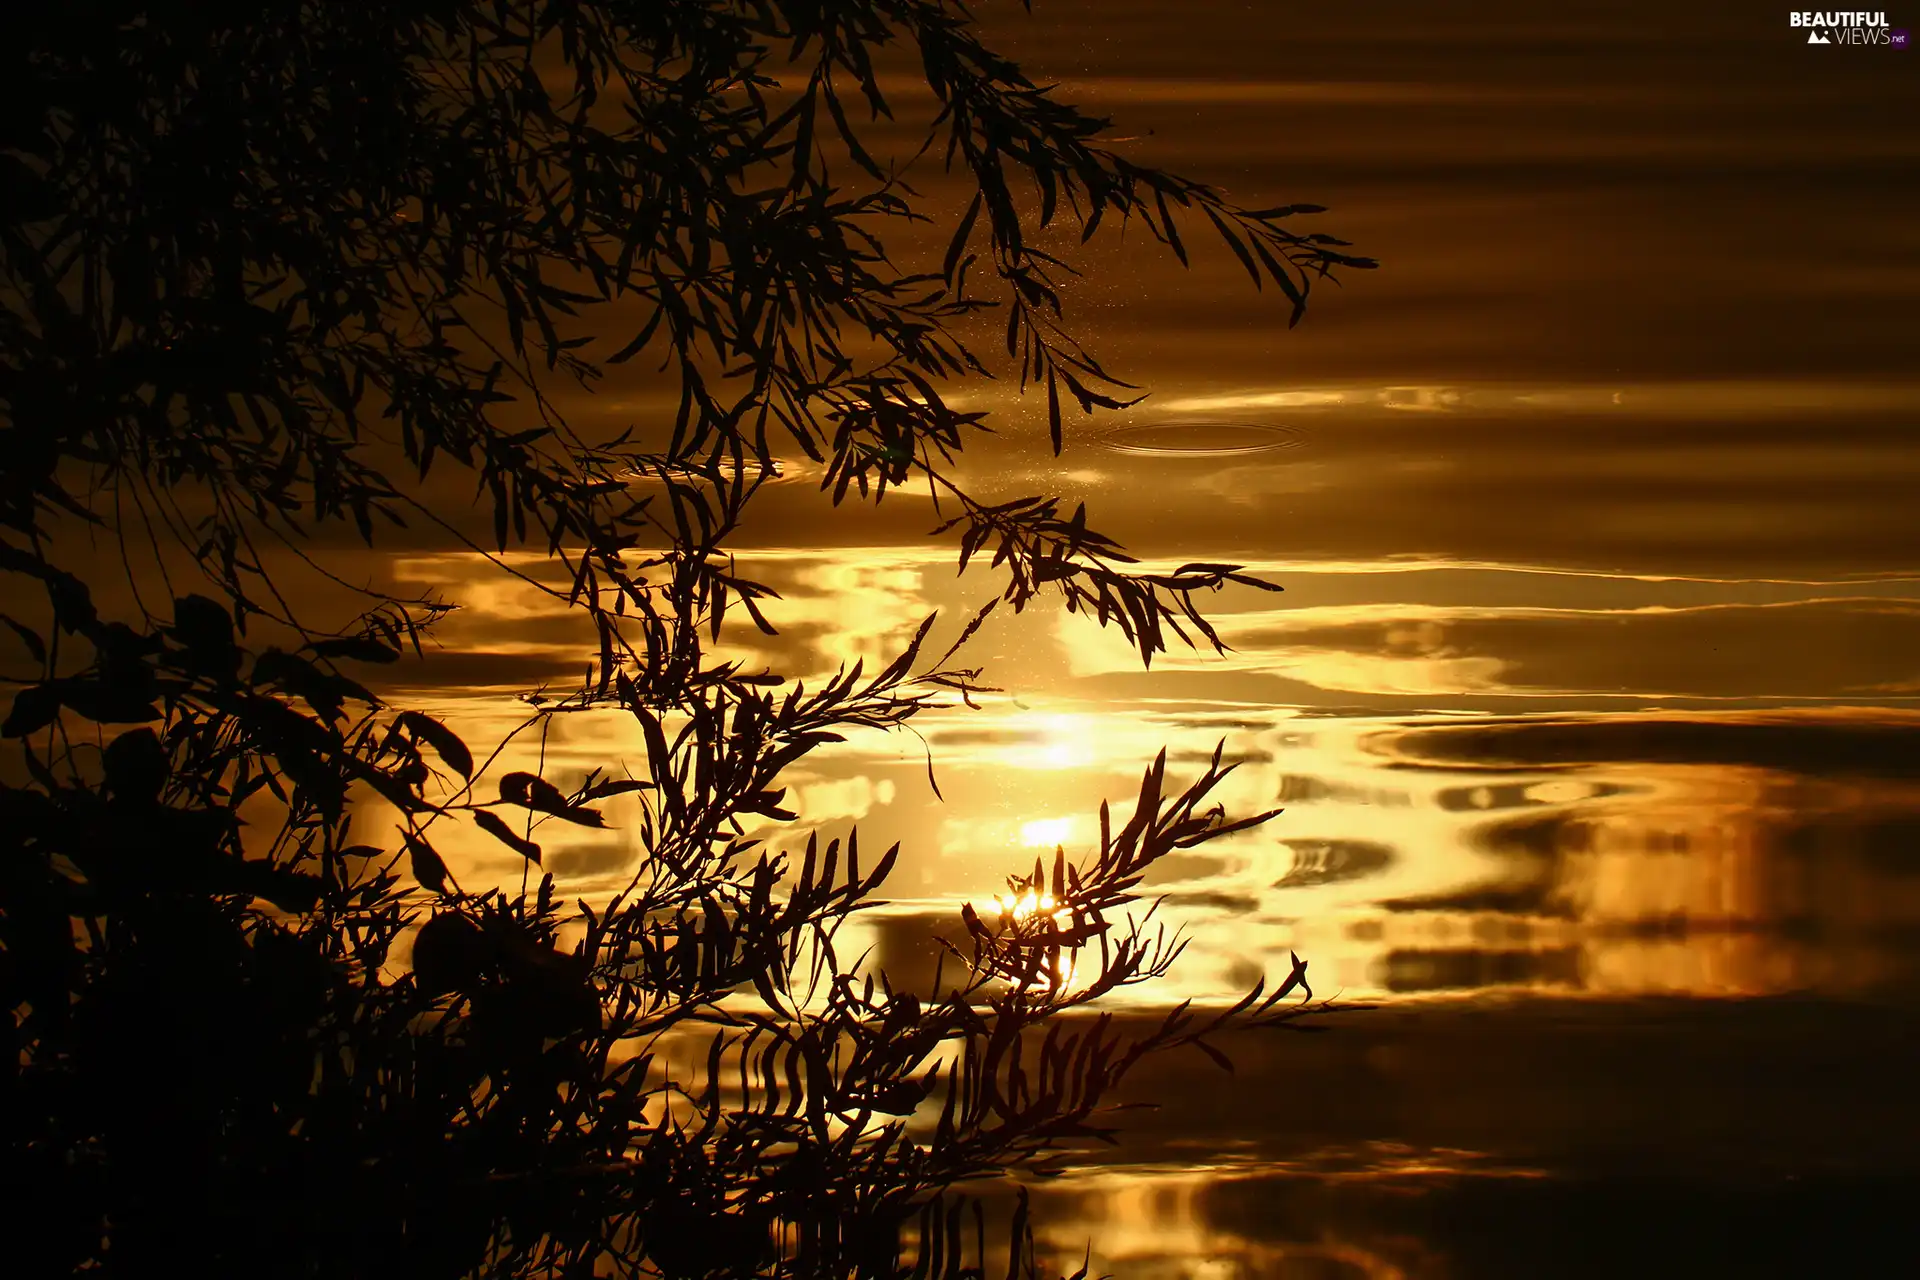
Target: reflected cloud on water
{"points": [[1432, 842], [1613, 876], [1832, 648], [1719, 401]]}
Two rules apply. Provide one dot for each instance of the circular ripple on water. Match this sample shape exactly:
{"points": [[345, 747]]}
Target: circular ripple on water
{"points": [[1203, 439]]}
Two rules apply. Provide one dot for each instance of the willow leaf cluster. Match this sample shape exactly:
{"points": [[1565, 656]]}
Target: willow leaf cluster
{"points": [[274, 271]]}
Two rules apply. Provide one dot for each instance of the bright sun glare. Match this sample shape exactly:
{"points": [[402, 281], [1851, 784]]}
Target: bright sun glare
{"points": [[1058, 741], [1025, 906], [1045, 833]]}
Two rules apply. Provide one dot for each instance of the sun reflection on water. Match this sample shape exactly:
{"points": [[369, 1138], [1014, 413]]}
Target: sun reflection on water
{"points": [[1046, 833], [1055, 741], [1019, 913], [1477, 794]]}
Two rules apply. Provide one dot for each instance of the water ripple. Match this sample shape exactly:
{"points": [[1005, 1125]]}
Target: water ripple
{"points": [[1203, 439]]}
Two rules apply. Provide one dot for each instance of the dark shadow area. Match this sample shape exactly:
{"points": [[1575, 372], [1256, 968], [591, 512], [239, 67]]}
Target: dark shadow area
{"points": [[1885, 746], [1507, 1228]]}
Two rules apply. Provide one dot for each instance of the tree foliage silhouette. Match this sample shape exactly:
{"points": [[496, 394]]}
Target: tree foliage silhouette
{"points": [[265, 267]]}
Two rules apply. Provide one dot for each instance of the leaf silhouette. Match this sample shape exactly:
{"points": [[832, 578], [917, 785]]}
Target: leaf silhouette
{"points": [[493, 826], [280, 273]]}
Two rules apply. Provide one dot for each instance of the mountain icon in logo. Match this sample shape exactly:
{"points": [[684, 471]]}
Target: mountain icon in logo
{"points": [[1814, 37]]}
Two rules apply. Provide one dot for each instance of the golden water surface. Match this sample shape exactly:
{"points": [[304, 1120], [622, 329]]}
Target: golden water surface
{"points": [[1593, 697]]}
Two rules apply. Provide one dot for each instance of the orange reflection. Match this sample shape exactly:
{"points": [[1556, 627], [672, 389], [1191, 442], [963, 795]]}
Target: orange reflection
{"points": [[1477, 795], [1714, 851]]}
